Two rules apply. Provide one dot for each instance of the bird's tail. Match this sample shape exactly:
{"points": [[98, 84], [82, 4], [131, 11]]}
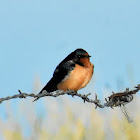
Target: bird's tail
{"points": [[39, 93], [49, 87]]}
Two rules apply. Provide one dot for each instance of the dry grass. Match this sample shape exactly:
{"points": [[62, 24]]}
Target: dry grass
{"points": [[64, 118]]}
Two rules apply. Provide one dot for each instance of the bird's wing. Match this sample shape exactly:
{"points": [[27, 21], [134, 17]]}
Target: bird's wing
{"points": [[60, 72]]}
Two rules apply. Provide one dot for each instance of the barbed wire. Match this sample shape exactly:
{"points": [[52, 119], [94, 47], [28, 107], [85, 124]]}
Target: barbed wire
{"points": [[116, 99], [119, 99]]}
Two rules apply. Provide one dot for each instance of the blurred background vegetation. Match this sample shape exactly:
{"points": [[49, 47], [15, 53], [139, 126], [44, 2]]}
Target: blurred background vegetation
{"points": [[67, 118]]}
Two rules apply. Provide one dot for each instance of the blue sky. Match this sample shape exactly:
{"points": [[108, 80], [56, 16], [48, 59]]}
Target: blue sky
{"points": [[35, 35]]}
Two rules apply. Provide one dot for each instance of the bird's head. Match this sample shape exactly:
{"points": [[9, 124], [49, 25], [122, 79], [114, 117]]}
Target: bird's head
{"points": [[81, 56]]}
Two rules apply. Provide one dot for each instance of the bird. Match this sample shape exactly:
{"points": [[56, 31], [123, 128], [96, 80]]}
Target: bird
{"points": [[73, 73]]}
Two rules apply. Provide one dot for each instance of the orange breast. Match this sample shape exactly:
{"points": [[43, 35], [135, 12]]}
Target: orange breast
{"points": [[77, 79]]}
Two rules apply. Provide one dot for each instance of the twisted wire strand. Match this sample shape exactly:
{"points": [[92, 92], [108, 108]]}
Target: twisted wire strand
{"points": [[115, 100], [119, 99]]}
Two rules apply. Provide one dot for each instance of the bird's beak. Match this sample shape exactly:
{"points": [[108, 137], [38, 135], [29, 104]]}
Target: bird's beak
{"points": [[87, 56]]}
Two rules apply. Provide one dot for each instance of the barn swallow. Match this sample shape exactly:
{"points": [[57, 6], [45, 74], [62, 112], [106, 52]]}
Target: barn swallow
{"points": [[73, 73]]}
